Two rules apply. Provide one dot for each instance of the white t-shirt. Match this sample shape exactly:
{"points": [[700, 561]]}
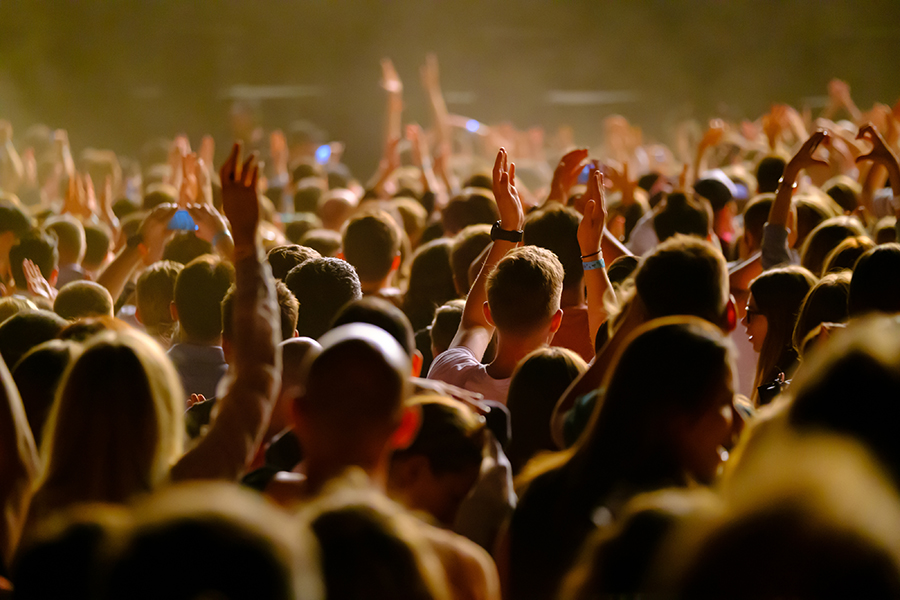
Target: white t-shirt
{"points": [[458, 366]]}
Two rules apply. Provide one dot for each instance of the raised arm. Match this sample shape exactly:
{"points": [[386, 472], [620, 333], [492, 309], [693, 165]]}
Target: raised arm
{"points": [[474, 330], [19, 464], [255, 372], [712, 137], [775, 249], [566, 174], [590, 233], [12, 172], [881, 154]]}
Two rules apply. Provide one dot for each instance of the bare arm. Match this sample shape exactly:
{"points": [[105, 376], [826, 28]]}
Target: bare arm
{"points": [[590, 233], [19, 465], [12, 172], [255, 373], [474, 330], [781, 207]]}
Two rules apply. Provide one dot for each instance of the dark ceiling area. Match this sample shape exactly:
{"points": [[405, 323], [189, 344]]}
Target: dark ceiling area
{"points": [[117, 73]]}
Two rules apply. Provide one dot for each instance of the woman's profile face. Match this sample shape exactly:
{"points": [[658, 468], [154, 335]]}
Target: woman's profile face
{"points": [[756, 324], [704, 440]]}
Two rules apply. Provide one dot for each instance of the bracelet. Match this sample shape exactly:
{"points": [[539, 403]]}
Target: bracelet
{"points": [[583, 256], [594, 264], [218, 237], [793, 187]]}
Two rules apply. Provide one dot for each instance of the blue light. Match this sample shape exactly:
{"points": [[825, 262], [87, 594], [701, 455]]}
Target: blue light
{"points": [[323, 154], [473, 125]]}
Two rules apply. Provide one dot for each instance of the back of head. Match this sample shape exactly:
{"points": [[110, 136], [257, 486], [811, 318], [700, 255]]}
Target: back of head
{"points": [[715, 191], [430, 282], [296, 228], [684, 276], [556, 230], [97, 242], [756, 213], [154, 293], [199, 290], [681, 215], [40, 249], [445, 325], [322, 286], [284, 258], [11, 305], [413, 215], [875, 286], [288, 309], [371, 244], [355, 387], [768, 173], [825, 238], [13, 219], [324, 241], [382, 314], [536, 385], [470, 207], [845, 254], [37, 376], [845, 191], [467, 246], [185, 247], [245, 549], [524, 290], [636, 421], [117, 425], [70, 238], [885, 230], [307, 196], [811, 212], [25, 330], [826, 302], [80, 299]]}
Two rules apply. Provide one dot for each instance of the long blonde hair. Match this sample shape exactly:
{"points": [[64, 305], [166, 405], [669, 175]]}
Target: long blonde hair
{"points": [[116, 426]]}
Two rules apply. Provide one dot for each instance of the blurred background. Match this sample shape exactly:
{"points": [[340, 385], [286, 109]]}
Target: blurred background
{"points": [[116, 73]]}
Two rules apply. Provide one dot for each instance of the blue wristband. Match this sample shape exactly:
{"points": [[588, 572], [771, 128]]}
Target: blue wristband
{"points": [[594, 264]]}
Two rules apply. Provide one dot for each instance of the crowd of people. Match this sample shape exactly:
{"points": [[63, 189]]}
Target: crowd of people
{"points": [[501, 367]]}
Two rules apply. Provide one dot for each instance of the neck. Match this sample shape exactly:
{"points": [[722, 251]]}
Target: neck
{"points": [[511, 350], [186, 339], [573, 296], [324, 467], [373, 287]]}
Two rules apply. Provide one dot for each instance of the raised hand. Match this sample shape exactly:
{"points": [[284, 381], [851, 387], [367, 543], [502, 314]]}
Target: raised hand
{"points": [[418, 144], [37, 284], [278, 150], [804, 157], [240, 200], [566, 174], [390, 81], [207, 151], [621, 181], [512, 216], [210, 222], [590, 230], [155, 231], [190, 185], [713, 134], [430, 73], [881, 152]]}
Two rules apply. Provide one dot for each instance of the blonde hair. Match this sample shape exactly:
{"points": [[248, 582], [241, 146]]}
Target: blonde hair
{"points": [[116, 426]]}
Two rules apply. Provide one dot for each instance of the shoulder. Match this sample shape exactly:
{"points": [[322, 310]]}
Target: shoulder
{"points": [[470, 570], [453, 359]]}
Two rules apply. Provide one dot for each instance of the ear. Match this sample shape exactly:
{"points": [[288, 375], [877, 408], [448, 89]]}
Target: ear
{"points": [[556, 320], [417, 361], [54, 277], [299, 417], [226, 350], [395, 264], [295, 334], [730, 317], [406, 431], [340, 255], [487, 314], [173, 310], [137, 315]]}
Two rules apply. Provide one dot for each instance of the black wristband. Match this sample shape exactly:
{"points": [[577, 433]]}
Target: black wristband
{"points": [[135, 240], [498, 233]]}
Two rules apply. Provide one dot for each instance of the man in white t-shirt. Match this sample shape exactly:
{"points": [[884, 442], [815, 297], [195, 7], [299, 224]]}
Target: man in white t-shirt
{"points": [[517, 292]]}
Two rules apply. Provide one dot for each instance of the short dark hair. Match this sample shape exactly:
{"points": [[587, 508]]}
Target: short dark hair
{"points": [[524, 289], [556, 229], [158, 194], [306, 199], [322, 286], [371, 243], [25, 330], [324, 241], [380, 313], [288, 309], [467, 245], [287, 256], [12, 218], [470, 207], [70, 238], [875, 285], [756, 213], [301, 223], [80, 299], [97, 240], [185, 247], [683, 215], [430, 282], [199, 290], [38, 247], [825, 238], [768, 173], [684, 276], [155, 291]]}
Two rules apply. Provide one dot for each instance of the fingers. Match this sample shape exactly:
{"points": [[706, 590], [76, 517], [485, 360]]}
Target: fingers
{"points": [[512, 174], [498, 165], [231, 168], [250, 168]]}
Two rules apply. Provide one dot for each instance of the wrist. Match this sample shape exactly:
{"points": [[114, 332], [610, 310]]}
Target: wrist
{"points": [[220, 236]]}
